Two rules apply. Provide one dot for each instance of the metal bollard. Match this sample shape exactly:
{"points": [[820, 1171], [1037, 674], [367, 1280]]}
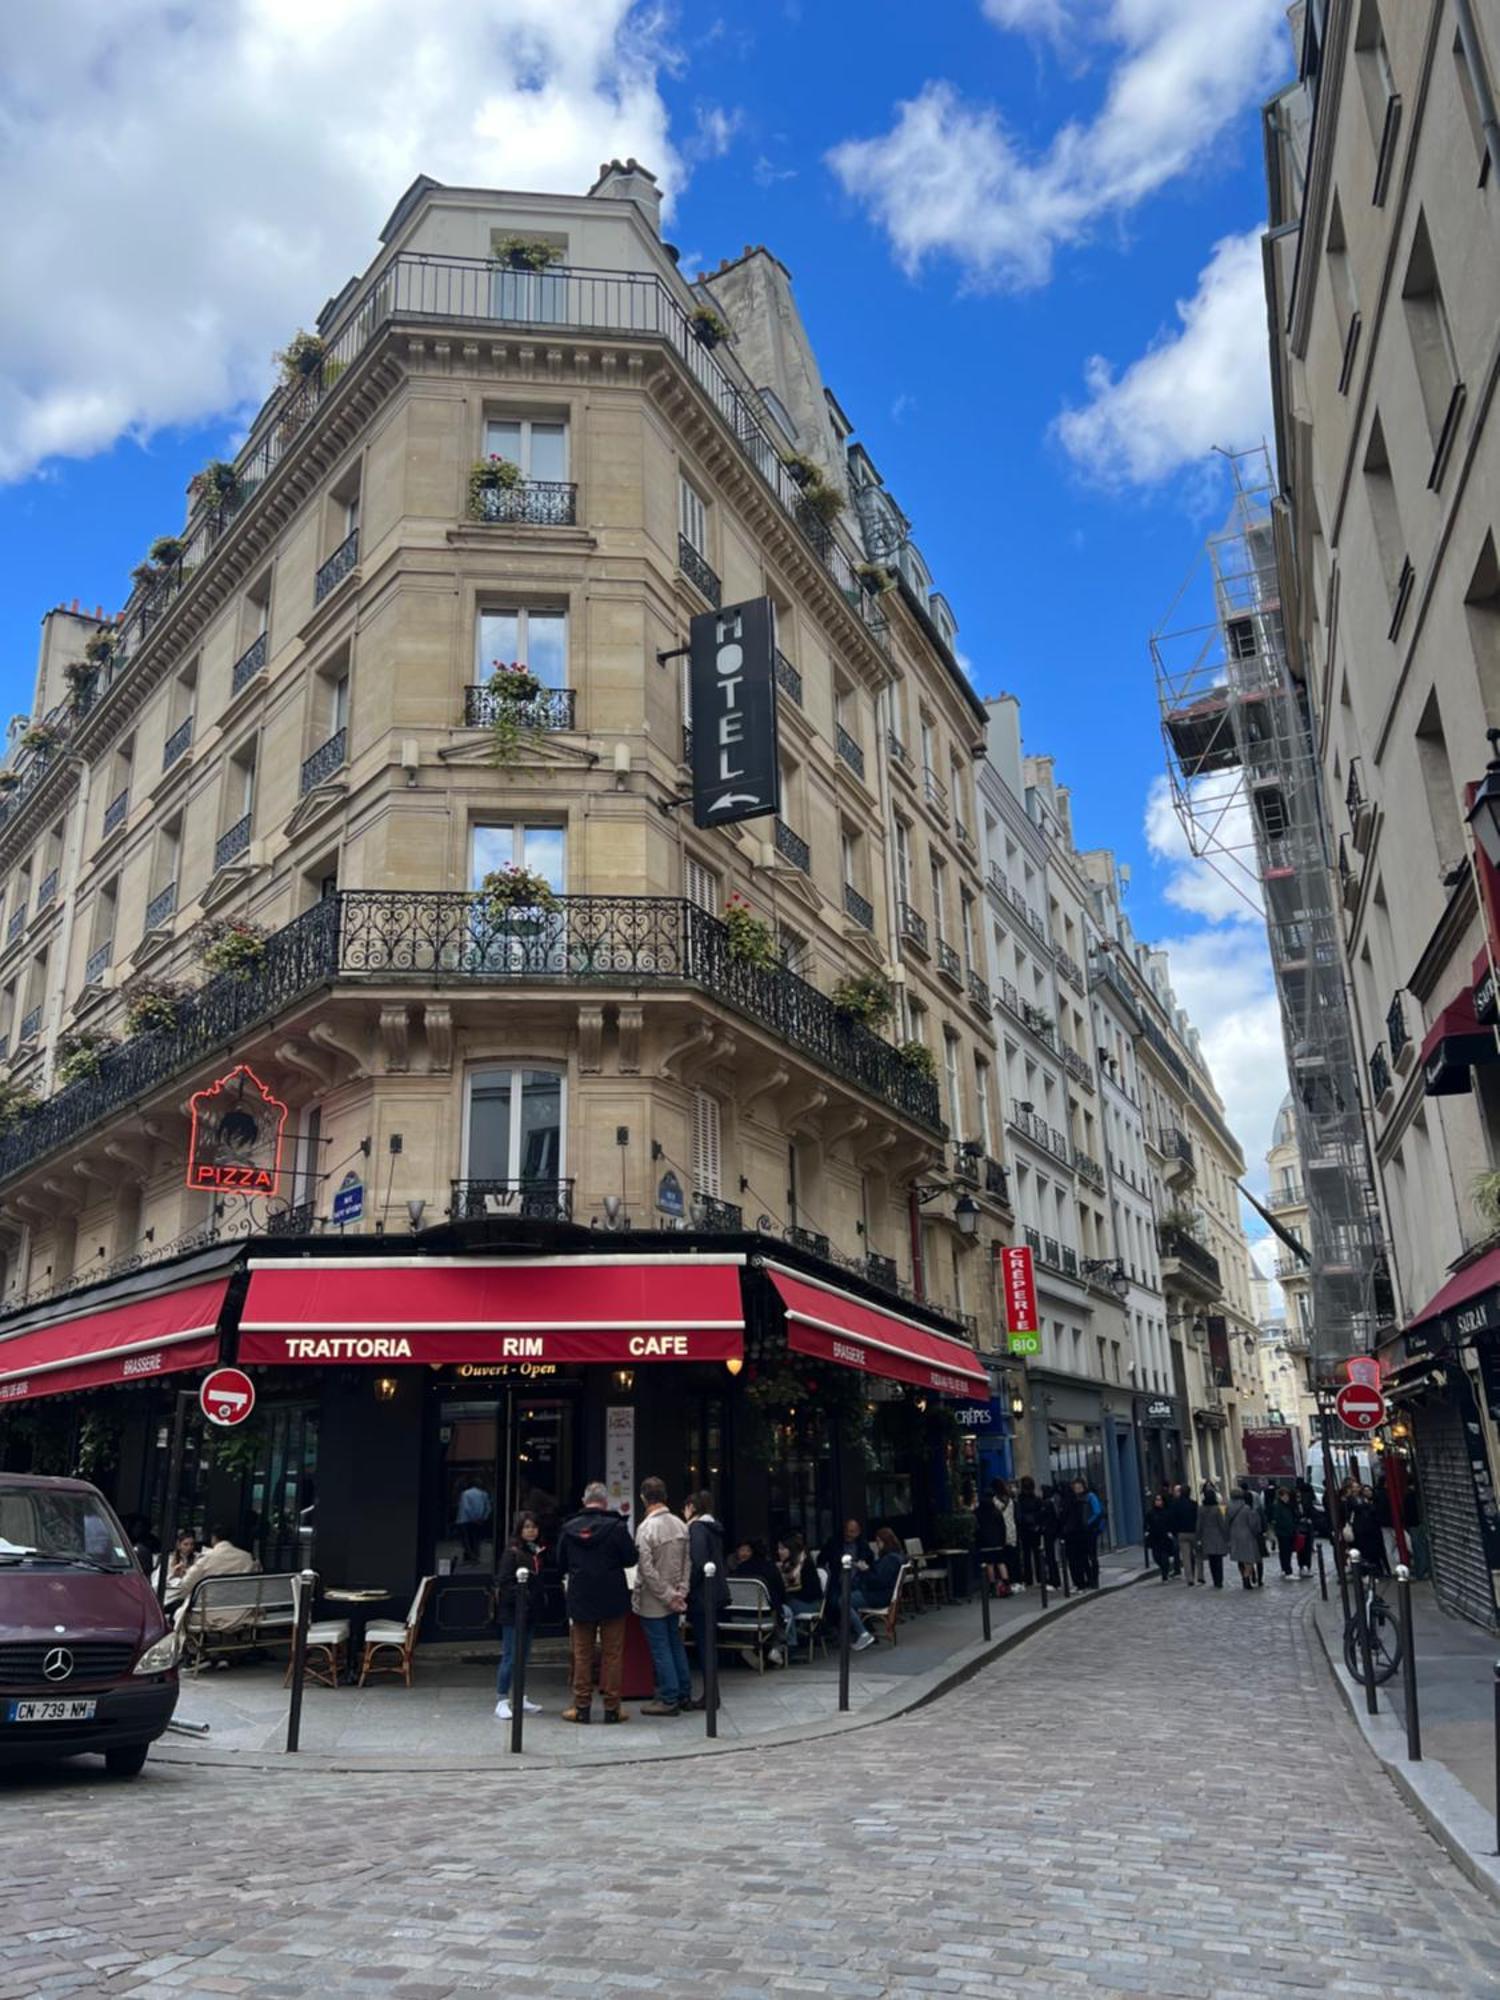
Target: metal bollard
{"points": [[1041, 1571], [1065, 1572], [1342, 1570], [518, 1676], [710, 1653], [845, 1578], [984, 1598], [307, 1583], [1322, 1569], [1408, 1666], [1362, 1628]]}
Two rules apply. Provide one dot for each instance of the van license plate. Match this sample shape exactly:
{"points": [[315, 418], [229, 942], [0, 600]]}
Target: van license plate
{"points": [[50, 1711]]}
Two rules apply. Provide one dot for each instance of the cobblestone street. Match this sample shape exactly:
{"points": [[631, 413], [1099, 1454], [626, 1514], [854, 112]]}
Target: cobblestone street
{"points": [[1160, 1795]]}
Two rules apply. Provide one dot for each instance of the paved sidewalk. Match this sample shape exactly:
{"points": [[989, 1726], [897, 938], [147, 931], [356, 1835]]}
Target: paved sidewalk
{"points": [[1453, 1786], [446, 1720]]}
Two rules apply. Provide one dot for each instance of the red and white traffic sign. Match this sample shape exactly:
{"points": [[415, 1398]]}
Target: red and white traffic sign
{"points": [[1360, 1407], [227, 1397]]}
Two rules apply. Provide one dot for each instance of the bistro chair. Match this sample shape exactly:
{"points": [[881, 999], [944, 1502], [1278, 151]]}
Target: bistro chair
{"points": [[882, 1620], [395, 1642], [809, 1626], [747, 1624], [932, 1577], [327, 1654]]}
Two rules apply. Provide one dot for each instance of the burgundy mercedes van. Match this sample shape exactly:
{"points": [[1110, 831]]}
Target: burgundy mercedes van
{"points": [[87, 1661]]}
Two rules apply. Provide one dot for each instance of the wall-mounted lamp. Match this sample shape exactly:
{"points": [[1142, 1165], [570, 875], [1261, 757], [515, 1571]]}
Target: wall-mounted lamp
{"points": [[966, 1216], [734, 1364], [385, 1388], [623, 1380], [615, 1216], [1484, 814], [1018, 1405], [414, 1211]]}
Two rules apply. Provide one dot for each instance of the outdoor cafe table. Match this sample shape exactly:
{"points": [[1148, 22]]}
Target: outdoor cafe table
{"points": [[358, 1602]]}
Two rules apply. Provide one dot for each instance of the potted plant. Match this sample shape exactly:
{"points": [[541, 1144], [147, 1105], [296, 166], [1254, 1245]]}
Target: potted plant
{"points": [[804, 470], [875, 577], [301, 358], [100, 647], [217, 485], [1484, 1194], [506, 890], [491, 475], [918, 1058], [16, 1104], [751, 939], [708, 328], [80, 676], [153, 1006], [42, 738], [863, 997], [80, 1055], [513, 686], [824, 502], [526, 253], [165, 551], [231, 945], [8, 781]]}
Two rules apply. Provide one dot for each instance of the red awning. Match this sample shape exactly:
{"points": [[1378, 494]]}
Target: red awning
{"points": [[384, 1310], [1453, 1045], [835, 1326], [129, 1342], [1472, 1282]]}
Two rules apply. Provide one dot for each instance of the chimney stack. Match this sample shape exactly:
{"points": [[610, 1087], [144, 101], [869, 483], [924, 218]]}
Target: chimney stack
{"points": [[628, 180]]}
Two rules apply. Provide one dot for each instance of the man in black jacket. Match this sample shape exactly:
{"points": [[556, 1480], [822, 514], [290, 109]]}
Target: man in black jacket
{"points": [[593, 1552]]}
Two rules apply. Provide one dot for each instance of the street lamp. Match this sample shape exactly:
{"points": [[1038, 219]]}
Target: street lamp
{"points": [[966, 1215], [1484, 814]]}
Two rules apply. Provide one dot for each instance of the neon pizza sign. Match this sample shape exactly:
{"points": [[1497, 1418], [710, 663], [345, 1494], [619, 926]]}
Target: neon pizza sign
{"points": [[235, 1143]]}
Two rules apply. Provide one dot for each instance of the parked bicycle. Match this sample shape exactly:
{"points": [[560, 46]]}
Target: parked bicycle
{"points": [[1385, 1635]]}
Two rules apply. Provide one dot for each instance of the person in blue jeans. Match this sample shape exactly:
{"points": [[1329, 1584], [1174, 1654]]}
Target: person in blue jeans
{"points": [[522, 1551], [660, 1598]]}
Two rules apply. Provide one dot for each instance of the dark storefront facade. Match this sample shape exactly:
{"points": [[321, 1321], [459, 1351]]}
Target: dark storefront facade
{"points": [[407, 1405]]}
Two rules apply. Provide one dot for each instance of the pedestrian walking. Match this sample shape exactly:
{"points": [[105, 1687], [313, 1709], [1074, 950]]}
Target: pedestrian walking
{"points": [[1183, 1510], [593, 1552], [522, 1551], [1213, 1533], [1161, 1536], [660, 1598], [705, 1600], [1077, 1533], [1029, 1514], [1242, 1518], [1362, 1530], [1051, 1522], [1282, 1521], [995, 1532], [1097, 1521]]}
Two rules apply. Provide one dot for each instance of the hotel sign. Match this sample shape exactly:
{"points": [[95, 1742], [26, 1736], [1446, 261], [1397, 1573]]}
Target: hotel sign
{"points": [[732, 677]]}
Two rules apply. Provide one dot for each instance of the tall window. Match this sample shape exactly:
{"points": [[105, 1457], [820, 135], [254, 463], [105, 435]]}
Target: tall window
{"points": [[939, 897], [1431, 337], [515, 1129], [982, 1097], [707, 1158], [950, 1075], [703, 885], [538, 639], [539, 849], [537, 298], [539, 448], [1380, 492], [692, 517], [903, 861]]}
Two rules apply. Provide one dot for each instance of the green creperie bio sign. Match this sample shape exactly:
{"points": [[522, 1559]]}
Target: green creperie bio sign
{"points": [[1018, 1286]]}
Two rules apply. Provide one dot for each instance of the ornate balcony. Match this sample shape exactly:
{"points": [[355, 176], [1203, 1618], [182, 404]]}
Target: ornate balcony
{"points": [[898, 753], [1193, 1264], [787, 677], [706, 1211], [1380, 1073], [1070, 969], [249, 663], [792, 847], [297, 1221], [698, 573], [934, 790], [521, 1200], [1294, 1196], [979, 993], [98, 963], [337, 567], [858, 907], [115, 811], [324, 761], [437, 938], [162, 906], [234, 844], [1088, 1166], [882, 1270], [912, 925], [1397, 1030], [179, 742], [997, 1180], [849, 751], [811, 1240], [948, 962], [47, 893], [1076, 1067], [534, 503]]}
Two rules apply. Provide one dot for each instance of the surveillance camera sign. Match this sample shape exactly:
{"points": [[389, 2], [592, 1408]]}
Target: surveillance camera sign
{"points": [[732, 675]]}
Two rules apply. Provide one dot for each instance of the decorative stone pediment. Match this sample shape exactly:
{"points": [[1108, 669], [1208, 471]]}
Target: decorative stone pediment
{"points": [[319, 804]]}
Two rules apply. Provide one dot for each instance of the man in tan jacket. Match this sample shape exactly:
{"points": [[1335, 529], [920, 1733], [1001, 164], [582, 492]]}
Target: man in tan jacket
{"points": [[660, 1598], [221, 1558]]}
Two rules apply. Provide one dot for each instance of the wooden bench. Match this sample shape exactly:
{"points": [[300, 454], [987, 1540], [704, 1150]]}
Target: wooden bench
{"points": [[237, 1614]]}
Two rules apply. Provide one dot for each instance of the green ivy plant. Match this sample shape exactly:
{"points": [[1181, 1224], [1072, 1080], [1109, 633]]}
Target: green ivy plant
{"points": [[17, 1104], [864, 997], [875, 577], [1484, 1194], [100, 647], [708, 327], [217, 485], [41, 738], [514, 687], [918, 1057], [751, 939]]}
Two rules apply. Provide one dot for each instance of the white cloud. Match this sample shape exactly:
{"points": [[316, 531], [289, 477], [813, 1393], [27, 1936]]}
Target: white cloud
{"points": [[1228, 892], [948, 180], [183, 187], [1206, 383], [765, 173], [1222, 976], [716, 132]]}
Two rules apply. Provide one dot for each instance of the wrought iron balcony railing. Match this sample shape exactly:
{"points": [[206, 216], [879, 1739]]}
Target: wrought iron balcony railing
{"points": [[116, 810], [967, 1155], [98, 963], [706, 1211], [325, 760], [435, 937], [293, 1221], [15, 924], [1380, 1072], [1293, 1196], [695, 568], [1088, 1166], [232, 845], [249, 663], [47, 893], [882, 1270], [1070, 969], [1396, 1028], [979, 993], [859, 907], [1186, 1250], [898, 753], [792, 847], [913, 925], [1178, 1148], [962, 834], [337, 567], [849, 750], [948, 961], [811, 1240], [787, 677], [162, 905], [525, 1200], [934, 790], [535, 503], [997, 1180], [1076, 1067], [177, 744]]}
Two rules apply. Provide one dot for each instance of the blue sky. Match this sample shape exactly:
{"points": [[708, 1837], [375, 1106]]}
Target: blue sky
{"points": [[1022, 237]]}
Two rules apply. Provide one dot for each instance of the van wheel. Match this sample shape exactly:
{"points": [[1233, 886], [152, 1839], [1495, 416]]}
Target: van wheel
{"points": [[128, 1761]]}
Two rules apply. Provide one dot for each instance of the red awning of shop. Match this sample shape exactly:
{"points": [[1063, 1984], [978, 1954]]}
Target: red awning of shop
{"points": [[1481, 1276], [1457, 1018], [129, 1342], [835, 1326], [385, 1311]]}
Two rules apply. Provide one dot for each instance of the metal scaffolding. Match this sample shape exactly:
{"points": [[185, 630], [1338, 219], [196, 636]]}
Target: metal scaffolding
{"points": [[1245, 784]]}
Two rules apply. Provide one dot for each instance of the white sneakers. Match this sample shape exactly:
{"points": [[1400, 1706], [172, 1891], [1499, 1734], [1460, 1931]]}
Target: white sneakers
{"points": [[503, 1709], [865, 1639]]}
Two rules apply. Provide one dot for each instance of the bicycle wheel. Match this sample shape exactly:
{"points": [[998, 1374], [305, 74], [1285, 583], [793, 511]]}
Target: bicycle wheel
{"points": [[1385, 1645]]}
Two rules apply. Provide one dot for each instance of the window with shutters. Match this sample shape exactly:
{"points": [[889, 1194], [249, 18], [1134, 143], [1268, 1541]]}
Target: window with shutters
{"points": [[692, 517], [707, 1173], [703, 886]]}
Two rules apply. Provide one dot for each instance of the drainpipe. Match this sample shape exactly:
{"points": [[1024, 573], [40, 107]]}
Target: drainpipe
{"points": [[918, 1270], [1484, 97]]}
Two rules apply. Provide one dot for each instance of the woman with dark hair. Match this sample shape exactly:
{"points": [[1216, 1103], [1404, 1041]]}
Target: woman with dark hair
{"points": [[800, 1581], [522, 1551], [875, 1589]]}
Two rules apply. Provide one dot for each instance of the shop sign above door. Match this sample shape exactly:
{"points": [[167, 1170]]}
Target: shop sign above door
{"points": [[235, 1143]]}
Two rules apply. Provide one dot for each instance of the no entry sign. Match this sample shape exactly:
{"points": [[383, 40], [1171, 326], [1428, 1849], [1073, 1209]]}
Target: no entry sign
{"points": [[227, 1397], [1360, 1407]]}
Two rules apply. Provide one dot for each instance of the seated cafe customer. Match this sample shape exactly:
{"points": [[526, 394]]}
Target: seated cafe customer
{"points": [[874, 1590]]}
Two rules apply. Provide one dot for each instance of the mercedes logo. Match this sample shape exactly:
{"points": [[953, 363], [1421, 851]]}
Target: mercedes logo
{"points": [[58, 1664]]}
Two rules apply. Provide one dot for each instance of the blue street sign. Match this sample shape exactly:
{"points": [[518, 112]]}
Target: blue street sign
{"points": [[349, 1199]]}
